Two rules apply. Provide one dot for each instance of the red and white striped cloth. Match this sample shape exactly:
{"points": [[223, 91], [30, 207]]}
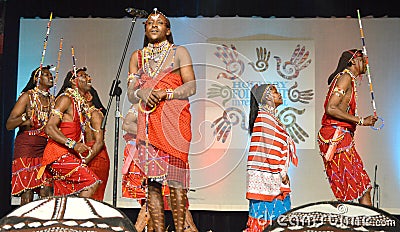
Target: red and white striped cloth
{"points": [[271, 150]]}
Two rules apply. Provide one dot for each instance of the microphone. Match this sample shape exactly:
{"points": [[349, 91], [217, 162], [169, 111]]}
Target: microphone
{"points": [[136, 12]]}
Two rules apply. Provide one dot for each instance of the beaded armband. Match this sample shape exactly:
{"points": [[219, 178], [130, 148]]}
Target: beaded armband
{"points": [[131, 77], [170, 94], [70, 143], [57, 113], [339, 91]]}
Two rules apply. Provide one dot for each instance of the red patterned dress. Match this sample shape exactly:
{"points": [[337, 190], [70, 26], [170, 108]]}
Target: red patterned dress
{"points": [[28, 149], [345, 171], [69, 175]]}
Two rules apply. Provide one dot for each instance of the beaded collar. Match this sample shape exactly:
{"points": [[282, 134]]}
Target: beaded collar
{"points": [[42, 92], [267, 108], [158, 53], [350, 73]]}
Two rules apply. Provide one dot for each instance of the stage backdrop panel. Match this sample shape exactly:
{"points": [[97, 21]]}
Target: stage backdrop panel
{"points": [[218, 168]]}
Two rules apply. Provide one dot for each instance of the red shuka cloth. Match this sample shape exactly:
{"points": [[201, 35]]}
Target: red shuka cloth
{"points": [[100, 165], [170, 123], [28, 150]]}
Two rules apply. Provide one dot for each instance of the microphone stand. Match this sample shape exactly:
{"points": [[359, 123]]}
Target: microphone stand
{"points": [[117, 91], [376, 190]]}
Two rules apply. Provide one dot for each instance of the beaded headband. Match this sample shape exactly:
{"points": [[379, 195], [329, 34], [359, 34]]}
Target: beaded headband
{"points": [[155, 14], [355, 54], [35, 75], [77, 70]]}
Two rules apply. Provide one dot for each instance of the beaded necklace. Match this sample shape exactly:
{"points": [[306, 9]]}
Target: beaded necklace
{"points": [[158, 53], [42, 92], [267, 108], [354, 83], [81, 107], [272, 111], [40, 113]]}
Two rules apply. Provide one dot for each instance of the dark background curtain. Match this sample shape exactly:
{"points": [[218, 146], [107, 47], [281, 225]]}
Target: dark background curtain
{"points": [[13, 10]]}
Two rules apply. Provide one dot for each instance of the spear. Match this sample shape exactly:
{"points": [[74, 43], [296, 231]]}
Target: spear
{"points": [[364, 49], [73, 61], [58, 65], [45, 45]]}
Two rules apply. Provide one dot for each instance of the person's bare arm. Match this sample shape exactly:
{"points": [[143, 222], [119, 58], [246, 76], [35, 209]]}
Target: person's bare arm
{"points": [[187, 73], [63, 106], [336, 106], [15, 119], [130, 123], [133, 69], [95, 121]]}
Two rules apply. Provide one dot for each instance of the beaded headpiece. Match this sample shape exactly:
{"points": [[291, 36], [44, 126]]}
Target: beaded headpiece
{"points": [[266, 94], [155, 14]]}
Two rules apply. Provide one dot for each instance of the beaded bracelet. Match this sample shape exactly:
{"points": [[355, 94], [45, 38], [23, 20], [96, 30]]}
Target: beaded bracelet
{"points": [[135, 94], [170, 94], [133, 111], [70, 143], [361, 121], [23, 117]]}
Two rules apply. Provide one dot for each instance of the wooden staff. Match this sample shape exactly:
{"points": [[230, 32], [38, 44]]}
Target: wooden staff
{"points": [[45, 45], [364, 49], [73, 61], [58, 65]]}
